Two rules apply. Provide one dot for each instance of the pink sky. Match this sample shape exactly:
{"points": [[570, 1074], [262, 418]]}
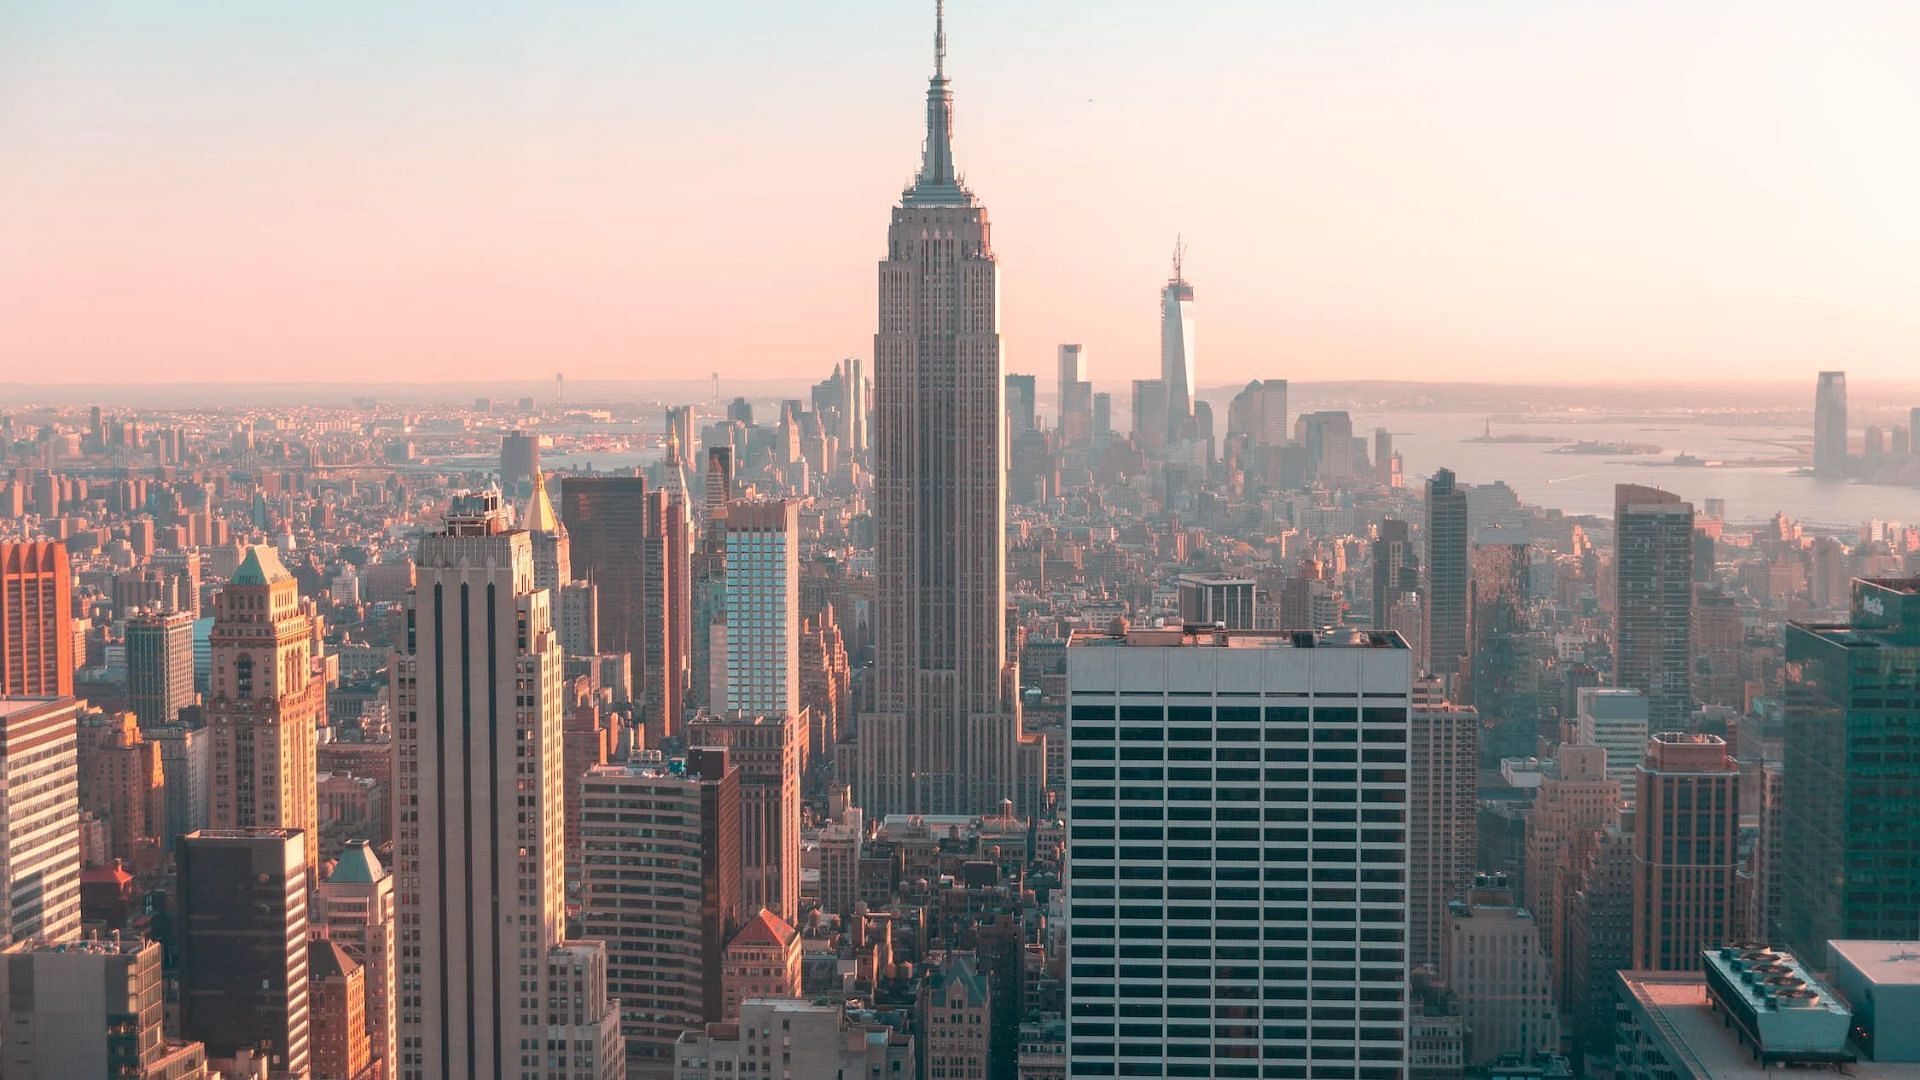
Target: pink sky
{"points": [[1494, 190]]}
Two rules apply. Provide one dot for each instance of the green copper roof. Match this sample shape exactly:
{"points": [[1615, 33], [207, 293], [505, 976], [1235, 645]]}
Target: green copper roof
{"points": [[262, 566], [358, 865]]}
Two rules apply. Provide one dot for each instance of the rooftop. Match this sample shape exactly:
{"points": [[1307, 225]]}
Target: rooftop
{"points": [[1208, 637], [764, 931], [16, 706], [262, 566], [112, 946], [1696, 1037], [1883, 963], [357, 865]]}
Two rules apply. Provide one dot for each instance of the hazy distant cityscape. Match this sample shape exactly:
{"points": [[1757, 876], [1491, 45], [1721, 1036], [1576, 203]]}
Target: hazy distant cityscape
{"points": [[959, 714]]}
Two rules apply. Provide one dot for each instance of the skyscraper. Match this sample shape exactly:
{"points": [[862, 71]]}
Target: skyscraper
{"points": [[1447, 574], [159, 666], [357, 909], [1504, 675], [1575, 803], [763, 609], [1021, 403], [519, 459], [552, 548], [1396, 569], [1260, 412], [1233, 851], [660, 872], [1442, 816], [243, 944], [40, 826], [718, 480], [766, 750], [1076, 395], [944, 735], [1847, 817], [1686, 841], [1326, 439], [606, 521], [480, 809], [337, 999], [1830, 425], [1176, 347], [1653, 606], [1150, 415], [666, 603], [266, 705], [36, 619]]}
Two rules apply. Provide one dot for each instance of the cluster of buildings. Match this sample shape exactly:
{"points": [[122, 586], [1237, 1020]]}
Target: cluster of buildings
{"points": [[901, 730]]}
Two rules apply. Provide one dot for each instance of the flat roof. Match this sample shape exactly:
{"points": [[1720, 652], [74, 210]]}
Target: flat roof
{"points": [[1207, 637], [1883, 963], [14, 705], [1676, 1007]]}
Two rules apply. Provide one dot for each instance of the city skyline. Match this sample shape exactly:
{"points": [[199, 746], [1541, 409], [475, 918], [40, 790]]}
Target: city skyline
{"points": [[1285, 729], [1734, 212]]}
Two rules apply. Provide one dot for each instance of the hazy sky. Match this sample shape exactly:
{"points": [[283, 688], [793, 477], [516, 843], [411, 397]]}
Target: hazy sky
{"points": [[373, 190]]}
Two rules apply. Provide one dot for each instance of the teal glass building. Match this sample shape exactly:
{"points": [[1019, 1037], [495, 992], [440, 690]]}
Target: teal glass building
{"points": [[1850, 823]]}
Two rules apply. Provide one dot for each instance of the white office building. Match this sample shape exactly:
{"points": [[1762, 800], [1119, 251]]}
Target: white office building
{"points": [[1614, 719], [1237, 882]]}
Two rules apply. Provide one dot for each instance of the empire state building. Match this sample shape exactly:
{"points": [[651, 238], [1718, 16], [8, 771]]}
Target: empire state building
{"points": [[944, 735]]}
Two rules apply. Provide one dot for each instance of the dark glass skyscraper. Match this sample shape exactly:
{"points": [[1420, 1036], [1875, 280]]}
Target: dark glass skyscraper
{"points": [[243, 944], [1447, 572], [1653, 601], [1848, 820]]}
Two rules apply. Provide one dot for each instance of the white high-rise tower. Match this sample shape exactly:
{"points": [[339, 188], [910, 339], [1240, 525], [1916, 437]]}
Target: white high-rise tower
{"points": [[944, 736]]}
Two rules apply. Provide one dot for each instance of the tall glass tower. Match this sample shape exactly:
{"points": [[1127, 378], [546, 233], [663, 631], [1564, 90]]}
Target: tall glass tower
{"points": [[1176, 348], [1830, 424]]}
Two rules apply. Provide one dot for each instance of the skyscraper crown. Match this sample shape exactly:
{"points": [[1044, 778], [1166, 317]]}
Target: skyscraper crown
{"points": [[937, 183]]}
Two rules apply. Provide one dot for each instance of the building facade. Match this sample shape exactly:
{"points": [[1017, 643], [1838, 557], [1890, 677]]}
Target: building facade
{"points": [[356, 906], [1443, 809], [1237, 886], [1653, 601], [242, 942], [661, 885], [762, 608], [767, 751], [36, 619], [39, 819], [160, 666], [1846, 817], [480, 811], [266, 705]]}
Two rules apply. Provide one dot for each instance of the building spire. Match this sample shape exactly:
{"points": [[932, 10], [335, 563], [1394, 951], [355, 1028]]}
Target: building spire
{"points": [[938, 182], [939, 39]]}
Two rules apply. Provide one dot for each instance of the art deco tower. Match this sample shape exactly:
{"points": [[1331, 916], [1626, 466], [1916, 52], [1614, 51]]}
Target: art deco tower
{"points": [[266, 706], [945, 730], [488, 984]]}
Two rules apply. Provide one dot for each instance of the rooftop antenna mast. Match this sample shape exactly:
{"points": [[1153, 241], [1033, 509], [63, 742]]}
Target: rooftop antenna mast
{"points": [[1179, 256], [939, 39]]}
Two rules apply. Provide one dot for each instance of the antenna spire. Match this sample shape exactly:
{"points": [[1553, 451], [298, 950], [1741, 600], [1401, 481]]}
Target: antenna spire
{"points": [[1179, 255], [939, 39]]}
